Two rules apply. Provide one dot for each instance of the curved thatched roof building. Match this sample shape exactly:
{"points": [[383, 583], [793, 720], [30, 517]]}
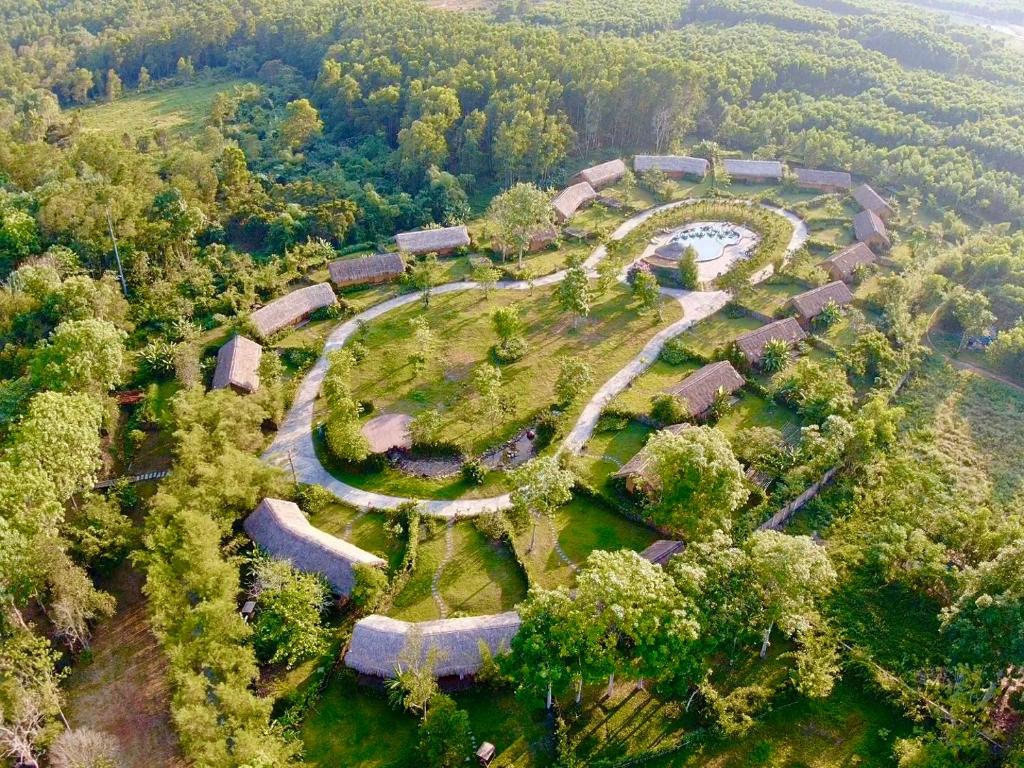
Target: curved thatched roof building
{"points": [[440, 241], [810, 304], [280, 528], [375, 268], [842, 265], [238, 365], [381, 644], [752, 344], [571, 199], [603, 175], [671, 165], [291, 308]]}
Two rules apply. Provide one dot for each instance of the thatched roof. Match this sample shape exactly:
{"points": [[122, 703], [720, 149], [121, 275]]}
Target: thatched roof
{"points": [[843, 264], [289, 309], [753, 169], [378, 642], [366, 269], [571, 199], [695, 166], [869, 227], [238, 365], [870, 200], [542, 238], [432, 240], [810, 303], [280, 528], [814, 178], [639, 464], [752, 344], [602, 175], [701, 387], [661, 551]]}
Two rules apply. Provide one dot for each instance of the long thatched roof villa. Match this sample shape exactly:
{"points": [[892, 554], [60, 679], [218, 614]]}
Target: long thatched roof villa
{"points": [[751, 345], [376, 268], [871, 230], [842, 265], [291, 308], [754, 170], [238, 365], [440, 241], [810, 304], [571, 199], [603, 175], [827, 181], [699, 390], [870, 200], [672, 165], [280, 528], [380, 645]]}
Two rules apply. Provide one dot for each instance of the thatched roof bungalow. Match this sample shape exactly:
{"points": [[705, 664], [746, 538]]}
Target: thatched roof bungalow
{"points": [[291, 308], [826, 181], [603, 175], [699, 390], [870, 230], [238, 365], [280, 528], [673, 166], [663, 550], [810, 304], [380, 644], [440, 241], [366, 270], [542, 238], [842, 265], [751, 345], [571, 199], [754, 170], [870, 200], [635, 472]]}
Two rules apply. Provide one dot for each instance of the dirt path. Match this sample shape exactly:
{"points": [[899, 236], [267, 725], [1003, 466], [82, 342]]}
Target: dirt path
{"points": [[123, 689]]}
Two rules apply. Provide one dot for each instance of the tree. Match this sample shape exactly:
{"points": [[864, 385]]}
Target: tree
{"points": [[518, 214], [98, 533], [774, 356], [425, 275], [414, 685], [342, 430], [573, 293], [425, 344], [789, 575], [426, 426], [301, 124], [486, 276], [818, 390], [487, 383], [509, 327], [289, 624], [973, 312], [84, 748], [445, 737], [185, 69], [700, 484], [114, 86], [689, 272], [145, 80], [647, 293], [81, 355], [540, 486], [544, 655], [370, 587], [1007, 351], [574, 378], [830, 314], [81, 84], [817, 664]]}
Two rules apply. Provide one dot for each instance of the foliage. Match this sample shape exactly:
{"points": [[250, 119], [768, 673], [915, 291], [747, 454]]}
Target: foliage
{"points": [[573, 293], [667, 410], [445, 737], [518, 214], [574, 379], [473, 471], [774, 356], [689, 273], [369, 589]]}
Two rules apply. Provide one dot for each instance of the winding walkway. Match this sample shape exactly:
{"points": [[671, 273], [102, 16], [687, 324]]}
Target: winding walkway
{"points": [[293, 445]]}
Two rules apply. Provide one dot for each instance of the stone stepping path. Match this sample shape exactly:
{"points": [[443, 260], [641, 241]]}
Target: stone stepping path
{"points": [[347, 534], [435, 583], [562, 554]]}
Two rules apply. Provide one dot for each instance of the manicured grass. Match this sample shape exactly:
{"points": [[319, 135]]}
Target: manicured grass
{"points": [[612, 334], [772, 295], [636, 398], [180, 109], [367, 530], [608, 451], [755, 411], [520, 735], [414, 602], [716, 332], [354, 725], [581, 526], [482, 577]]}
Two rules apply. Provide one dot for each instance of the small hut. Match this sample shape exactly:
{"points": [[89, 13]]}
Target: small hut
{"points": [[870, 230], [292, 308], [366, 270], [440, 241], [673, 166], [870, 200], [635, 473], [842, 265], [754, 170], [826, 181], [810, 304], [381, 644], [571, 199], [238, 365], [751, 345], [541, 239], [485, 754], [280, 528], [663, 550], [698, 390], [601, 176]]}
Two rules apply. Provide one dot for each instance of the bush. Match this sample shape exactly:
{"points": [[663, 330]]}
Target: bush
{"points": [[494, 525], [299, 358], [546, 428], [473, 471], [666, 409], [370, 588], [510, 350], [314, 499], [675, 352]]}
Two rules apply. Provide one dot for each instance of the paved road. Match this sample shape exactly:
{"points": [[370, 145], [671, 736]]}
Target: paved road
{"points": [[293, 449]]}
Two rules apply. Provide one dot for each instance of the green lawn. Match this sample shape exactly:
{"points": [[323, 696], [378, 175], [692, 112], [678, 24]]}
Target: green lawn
{"points": [[180, 109], [755, 411], [608, 451], [772, 295], [636, 398], [716, 332], [414, 602], [520, 735], [367, 530], [582, 526], [461, 321]]}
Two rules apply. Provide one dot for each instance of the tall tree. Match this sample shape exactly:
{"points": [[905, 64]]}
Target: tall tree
{"points": [[301, 124], [518, 214], [574, 294], [540, 486]]}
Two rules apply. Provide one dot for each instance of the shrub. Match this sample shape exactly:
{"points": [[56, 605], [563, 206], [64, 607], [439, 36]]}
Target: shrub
{"points": [[473, 471], [546, 428], [370, 588], [675, 352], [299, 358], [510, 350], [494, 525], [666, 409], [314, 499]]}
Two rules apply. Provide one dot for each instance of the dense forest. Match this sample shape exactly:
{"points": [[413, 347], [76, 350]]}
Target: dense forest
{"points": [[124, 254]]}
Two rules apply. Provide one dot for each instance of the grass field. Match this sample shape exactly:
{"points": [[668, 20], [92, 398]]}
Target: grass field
{"points": [[716, 332], [608, 451], [772, 295], [367, 530], [179, 110]]}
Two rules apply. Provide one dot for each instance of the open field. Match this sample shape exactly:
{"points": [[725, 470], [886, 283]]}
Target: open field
{"points": [[180, 109]]}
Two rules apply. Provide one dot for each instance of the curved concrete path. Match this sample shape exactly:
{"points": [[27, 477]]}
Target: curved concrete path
{"points": [[292, 448]]}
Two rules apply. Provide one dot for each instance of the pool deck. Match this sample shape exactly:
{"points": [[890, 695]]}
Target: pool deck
{"points": [[706, 270]]}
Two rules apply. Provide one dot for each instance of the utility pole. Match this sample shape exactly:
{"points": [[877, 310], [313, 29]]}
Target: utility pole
{"points": [[117, 255]]}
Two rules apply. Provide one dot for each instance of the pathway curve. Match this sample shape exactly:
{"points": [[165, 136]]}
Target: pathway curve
{"points": [[292, 448], [562, 554], [435, 582]]}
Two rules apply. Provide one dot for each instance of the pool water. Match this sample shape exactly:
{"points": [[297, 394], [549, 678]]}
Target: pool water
{"points": [[708, 240]]}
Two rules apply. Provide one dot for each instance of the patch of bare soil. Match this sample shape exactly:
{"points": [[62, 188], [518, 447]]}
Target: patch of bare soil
{"points": [[123, 688]]}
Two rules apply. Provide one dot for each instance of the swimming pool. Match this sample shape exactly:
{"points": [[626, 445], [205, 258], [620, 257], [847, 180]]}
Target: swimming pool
{"points": [[709, 240]]}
